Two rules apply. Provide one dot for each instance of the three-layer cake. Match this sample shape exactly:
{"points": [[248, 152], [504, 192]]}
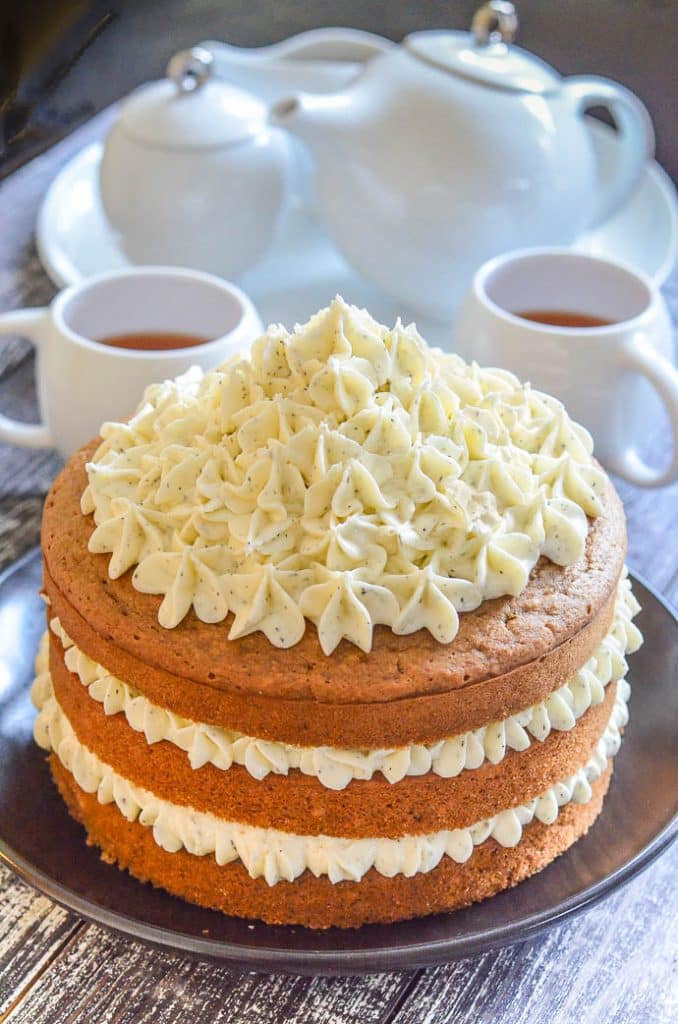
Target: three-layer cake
{"points": [[337, 630]]}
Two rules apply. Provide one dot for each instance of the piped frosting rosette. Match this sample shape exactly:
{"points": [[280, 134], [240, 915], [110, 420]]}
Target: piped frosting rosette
{"points": [[345, 474]]}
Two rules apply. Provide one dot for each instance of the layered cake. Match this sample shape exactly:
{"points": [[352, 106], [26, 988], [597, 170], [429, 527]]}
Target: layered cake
{"points": [[337, 631]]}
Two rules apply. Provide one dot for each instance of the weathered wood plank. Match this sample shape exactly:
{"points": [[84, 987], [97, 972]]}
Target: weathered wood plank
{"points": [[102, 978], [32, 931], [19, 526], [653, 514], [22, 279], [612, 965], [652, 521], [23, 471]]}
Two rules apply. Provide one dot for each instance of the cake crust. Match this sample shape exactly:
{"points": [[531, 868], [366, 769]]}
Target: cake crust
{"points": [[316, 902]]}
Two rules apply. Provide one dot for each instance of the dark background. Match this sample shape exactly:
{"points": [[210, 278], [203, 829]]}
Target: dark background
{"points": [[63, 60]]}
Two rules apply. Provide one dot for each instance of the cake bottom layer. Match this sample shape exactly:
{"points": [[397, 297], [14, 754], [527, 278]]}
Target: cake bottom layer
{"points": [[317, 902]]}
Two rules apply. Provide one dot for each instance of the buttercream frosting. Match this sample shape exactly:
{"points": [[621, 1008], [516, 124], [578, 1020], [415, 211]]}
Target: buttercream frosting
{"points": [[335, 767], [276, 855], [346, 474]]}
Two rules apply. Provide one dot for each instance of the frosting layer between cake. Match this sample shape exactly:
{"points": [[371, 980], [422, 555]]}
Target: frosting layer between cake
{"points": [[335, 767], [277, 855]]}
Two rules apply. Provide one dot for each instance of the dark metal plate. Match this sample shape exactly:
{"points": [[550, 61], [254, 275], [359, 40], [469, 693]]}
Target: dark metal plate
{"points": [[43, 845]]}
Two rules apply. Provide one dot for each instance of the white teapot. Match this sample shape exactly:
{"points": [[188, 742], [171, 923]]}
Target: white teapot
{"points": [[320, 60], [456, 146], [192, 172]]}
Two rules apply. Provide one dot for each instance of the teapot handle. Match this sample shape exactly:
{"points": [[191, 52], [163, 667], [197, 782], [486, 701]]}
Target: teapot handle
{"points": [[635, 136]]}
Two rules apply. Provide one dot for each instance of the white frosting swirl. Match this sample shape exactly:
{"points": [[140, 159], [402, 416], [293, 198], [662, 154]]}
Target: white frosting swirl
{"points": [[276, 855], [335, 767], [346, 474]]}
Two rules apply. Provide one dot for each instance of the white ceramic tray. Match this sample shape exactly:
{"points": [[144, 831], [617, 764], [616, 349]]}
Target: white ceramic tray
{"points": [[303, 270]]}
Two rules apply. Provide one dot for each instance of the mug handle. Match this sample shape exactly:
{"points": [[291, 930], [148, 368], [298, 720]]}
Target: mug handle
{"points": [[27, 323], [638, 355], [635, 136]]}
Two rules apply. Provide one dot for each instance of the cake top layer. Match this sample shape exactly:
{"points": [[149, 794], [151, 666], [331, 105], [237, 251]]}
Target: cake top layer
{"points": [[543, 633], [345, 474]]}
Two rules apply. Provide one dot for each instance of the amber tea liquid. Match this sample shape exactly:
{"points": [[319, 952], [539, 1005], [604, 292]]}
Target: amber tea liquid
{"points": [[563, 318], [152, 341]]}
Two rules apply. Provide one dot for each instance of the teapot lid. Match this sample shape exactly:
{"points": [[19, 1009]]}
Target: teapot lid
{"points": [[190, 109], [485, 55]]}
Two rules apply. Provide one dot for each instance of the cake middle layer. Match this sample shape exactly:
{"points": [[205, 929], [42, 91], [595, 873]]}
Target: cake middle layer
{"points": [[335, 767], [276, 854], [422, 803]]}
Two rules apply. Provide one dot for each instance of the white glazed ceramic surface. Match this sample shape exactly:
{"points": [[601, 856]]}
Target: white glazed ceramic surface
{"points": [[194, 178], [81, 383], [302, 270], [423, 174], [214, 210], [603, 375], [322, 60]]}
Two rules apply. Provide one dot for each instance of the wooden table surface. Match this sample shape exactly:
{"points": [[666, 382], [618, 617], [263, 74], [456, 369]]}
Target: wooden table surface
{"points": [[615, 963]]}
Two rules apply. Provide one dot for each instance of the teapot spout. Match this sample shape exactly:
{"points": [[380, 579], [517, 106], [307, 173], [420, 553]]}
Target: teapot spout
{"points": [[313, 119]]}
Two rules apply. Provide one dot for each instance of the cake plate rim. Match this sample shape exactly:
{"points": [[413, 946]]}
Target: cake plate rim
{"points": [[359, 958]]}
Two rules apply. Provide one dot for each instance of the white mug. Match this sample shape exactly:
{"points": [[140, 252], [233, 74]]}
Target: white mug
{"points": [[83, 382], [603, 375]]}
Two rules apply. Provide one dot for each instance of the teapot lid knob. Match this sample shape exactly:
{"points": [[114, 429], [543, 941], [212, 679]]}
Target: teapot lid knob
{"points": [[494, 22], [190, 69], [484, 55], [192, 108]]}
